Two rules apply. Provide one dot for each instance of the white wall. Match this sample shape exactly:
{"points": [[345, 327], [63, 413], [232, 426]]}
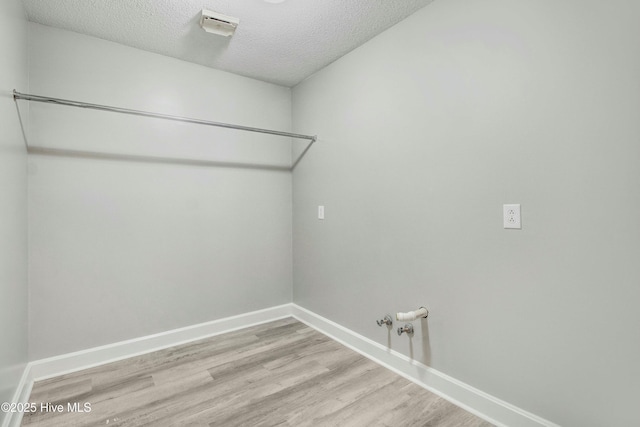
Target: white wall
{"points": [[139, 225], [424, 132], [13, 201]]}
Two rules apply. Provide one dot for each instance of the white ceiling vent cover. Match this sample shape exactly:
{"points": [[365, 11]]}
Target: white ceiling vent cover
{"points": [[217, 23]]}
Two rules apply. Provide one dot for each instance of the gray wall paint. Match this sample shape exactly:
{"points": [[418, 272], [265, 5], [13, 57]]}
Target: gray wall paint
{"points": [[13, 201], [123, 244], [425, 132]]}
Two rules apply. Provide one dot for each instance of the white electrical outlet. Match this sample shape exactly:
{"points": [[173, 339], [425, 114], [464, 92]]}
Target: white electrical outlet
{"points": [[320, 212], [511, 216]]}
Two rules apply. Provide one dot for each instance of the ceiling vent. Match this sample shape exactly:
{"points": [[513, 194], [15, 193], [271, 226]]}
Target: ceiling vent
{"points": [[217, 23]]}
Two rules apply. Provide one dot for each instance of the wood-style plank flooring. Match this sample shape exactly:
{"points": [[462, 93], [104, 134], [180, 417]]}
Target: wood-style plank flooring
{"points": [[282, 373]]}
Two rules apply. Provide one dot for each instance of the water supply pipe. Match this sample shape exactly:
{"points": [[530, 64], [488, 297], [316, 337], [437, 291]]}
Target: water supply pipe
{"points": [[412, 315]]}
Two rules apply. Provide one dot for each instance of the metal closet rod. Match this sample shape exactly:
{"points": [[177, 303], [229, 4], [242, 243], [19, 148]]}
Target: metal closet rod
{"points": [[37, 98]]}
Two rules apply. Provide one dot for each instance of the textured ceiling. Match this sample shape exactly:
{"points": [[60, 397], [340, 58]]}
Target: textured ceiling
{"points": [[282, 43]]}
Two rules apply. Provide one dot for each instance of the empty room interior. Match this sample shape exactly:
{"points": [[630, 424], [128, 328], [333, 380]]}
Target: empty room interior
{"points": [[336, 213]]}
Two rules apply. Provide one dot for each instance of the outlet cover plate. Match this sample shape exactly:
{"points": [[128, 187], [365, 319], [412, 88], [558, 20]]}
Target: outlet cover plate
{"points": [[511, 216]]}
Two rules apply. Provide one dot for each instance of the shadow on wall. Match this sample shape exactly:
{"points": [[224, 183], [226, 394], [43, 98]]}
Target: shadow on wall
{"points": [[63, 152], [24, 133], [149, 159], [426, 346]]}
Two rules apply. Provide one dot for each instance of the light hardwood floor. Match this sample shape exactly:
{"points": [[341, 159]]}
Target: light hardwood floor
{"points": [[282, 373]]}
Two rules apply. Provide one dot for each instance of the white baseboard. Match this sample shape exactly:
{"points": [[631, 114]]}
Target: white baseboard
{"points": [[484, 405], [473, 400], [21, 395], [71, 362], [84, 359]]}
